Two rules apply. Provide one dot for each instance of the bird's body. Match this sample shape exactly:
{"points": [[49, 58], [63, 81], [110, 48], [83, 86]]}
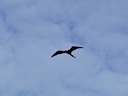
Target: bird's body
{"points": [[67, 51]]}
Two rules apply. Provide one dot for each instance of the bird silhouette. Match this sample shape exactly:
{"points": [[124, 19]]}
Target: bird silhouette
{"points": [[67, 51]]}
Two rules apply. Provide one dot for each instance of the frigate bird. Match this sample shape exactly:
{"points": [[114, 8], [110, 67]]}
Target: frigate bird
{"points": [[67, 51]]}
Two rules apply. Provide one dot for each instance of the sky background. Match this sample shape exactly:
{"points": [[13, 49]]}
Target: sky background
{"points": [[32, 30]]}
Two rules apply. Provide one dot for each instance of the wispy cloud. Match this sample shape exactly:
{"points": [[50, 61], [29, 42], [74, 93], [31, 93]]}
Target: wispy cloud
{"points": [[32, 30]]}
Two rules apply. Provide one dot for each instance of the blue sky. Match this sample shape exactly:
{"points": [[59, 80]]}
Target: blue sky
{"points": [[32, 30]]}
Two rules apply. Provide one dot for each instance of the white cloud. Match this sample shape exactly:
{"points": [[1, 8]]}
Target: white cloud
{"points": [[31, 31]]}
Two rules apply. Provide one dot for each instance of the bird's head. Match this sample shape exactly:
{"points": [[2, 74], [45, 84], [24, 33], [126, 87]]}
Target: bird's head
{"points": [[65, 51]]}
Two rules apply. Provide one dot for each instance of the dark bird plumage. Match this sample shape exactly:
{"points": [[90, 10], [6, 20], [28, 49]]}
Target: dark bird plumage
{"points": [[67, 51]]}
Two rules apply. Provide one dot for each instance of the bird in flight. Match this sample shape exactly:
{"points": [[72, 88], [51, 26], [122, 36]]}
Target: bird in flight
{"points": [[67, 51]]}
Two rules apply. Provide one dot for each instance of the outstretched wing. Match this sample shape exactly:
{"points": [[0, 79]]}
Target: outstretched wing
{"points": [[57, 53], [74, 48]]}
